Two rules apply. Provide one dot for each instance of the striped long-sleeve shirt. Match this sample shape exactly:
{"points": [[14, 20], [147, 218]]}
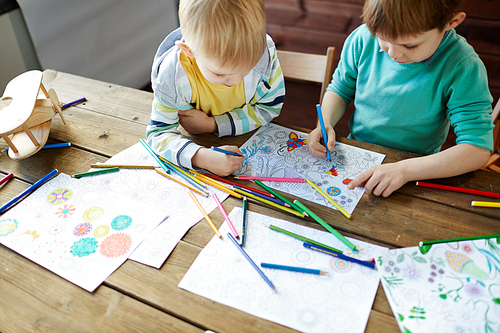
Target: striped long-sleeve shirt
{"points": [[264, 95]]}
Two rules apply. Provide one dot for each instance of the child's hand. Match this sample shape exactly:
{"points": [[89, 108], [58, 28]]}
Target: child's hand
{"points": [[219, 163], [381, 179], [313, 141], [195, 121]]}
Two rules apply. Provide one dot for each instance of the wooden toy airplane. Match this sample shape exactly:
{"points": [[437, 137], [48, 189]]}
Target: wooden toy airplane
{"points": [[27, 118]]}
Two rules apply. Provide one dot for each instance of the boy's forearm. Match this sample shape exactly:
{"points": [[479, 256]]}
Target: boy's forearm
{"points": [[333, 108], [451, 162]]}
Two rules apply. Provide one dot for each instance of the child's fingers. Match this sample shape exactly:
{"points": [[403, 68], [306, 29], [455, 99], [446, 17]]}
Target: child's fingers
{"points": [[361, 180]]}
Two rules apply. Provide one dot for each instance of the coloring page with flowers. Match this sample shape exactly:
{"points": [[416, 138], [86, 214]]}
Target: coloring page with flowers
{"points": [[339, 301], [449, 287], [78, 228], [277, 151]]}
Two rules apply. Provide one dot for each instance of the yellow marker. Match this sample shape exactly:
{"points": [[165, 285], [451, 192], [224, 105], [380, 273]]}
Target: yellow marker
{"points": [[327, 197], [485, 204]]}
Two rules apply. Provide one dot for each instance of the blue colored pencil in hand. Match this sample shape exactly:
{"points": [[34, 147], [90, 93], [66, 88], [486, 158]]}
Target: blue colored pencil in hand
{"points": [[323, 131]]}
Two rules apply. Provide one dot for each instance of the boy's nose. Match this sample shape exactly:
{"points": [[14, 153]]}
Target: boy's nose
{"points": [[393, 52]]}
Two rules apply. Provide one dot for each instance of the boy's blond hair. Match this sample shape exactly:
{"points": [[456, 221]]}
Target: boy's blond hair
{"points": [[230, 32], [400, 18]]}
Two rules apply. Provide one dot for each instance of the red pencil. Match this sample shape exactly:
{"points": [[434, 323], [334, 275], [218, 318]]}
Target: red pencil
{"points": [[6, 178], [459, 189], [223, 180]]}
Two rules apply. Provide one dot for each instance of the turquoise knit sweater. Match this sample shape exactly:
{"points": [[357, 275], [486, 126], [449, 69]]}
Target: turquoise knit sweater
{"points": [[410, 106]]}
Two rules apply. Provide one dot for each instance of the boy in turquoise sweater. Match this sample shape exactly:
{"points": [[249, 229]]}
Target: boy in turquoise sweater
{"points": [[410, 75], [219, 73]]}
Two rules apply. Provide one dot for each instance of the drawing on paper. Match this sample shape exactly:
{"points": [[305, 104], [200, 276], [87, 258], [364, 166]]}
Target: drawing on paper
{"points": [[338, 302], [450, 287], [275, 151]]}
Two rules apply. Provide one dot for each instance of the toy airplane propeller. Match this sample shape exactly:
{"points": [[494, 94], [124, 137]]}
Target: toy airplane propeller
{"points": [[25, 122]]}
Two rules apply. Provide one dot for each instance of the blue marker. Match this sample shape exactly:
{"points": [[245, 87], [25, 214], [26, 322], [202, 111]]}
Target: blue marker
{"points": [[323, 130], [226, 151]]}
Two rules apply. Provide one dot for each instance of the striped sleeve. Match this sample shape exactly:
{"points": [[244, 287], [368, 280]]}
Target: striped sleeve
{"points": [[163, 136], [265, 104]]}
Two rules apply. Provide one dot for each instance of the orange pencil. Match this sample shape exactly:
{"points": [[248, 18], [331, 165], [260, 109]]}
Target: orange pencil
{"points": [[209, 220]]}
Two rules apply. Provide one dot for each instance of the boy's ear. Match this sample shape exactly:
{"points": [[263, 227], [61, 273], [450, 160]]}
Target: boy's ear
{"points": [[456, 20], [185, 48]]}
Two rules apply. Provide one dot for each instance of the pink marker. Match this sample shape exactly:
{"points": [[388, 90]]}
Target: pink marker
{"points": [[271, 179], [231, 226]]}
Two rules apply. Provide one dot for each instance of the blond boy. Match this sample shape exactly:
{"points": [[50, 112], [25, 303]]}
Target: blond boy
{"points": [[219, 75], [411, 76]]}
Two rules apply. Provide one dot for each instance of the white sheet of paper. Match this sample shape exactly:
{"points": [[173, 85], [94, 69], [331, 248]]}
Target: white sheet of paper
{"points": [[454, 287], [156, 191], [276, 151], [78, 228], [338, 302]]}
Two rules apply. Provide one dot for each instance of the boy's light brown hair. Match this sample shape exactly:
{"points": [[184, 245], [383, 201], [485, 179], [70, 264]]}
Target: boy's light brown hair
{"points": [[230, 32], [400, 18]]}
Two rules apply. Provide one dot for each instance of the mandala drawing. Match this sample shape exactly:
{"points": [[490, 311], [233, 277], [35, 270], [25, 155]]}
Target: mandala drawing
{"points": [[59, 196]]}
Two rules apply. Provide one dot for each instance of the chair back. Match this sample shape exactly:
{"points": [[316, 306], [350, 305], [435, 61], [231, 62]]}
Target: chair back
{"points": [[308, 67]]}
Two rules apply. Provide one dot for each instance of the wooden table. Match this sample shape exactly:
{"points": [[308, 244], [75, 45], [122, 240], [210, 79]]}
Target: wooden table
{"points": [[140, 298]]}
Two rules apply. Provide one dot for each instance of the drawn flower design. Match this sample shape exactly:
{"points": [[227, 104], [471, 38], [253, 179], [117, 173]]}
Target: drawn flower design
{"points": [[115, 245], [82, 229], [294, 141], [474, 290], [358, 253], [121, 222], [93, 214], [59, 196], [333, 191], [332, 171], [65, 211], [467, 248], [266, 150], [7, 226], [412, 273], [435, 273], [347, 181], [84, 247]]}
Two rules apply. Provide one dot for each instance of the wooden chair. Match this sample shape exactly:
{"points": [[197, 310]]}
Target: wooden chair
{"points": [[495, 157], [308, 67], [25, 122]]}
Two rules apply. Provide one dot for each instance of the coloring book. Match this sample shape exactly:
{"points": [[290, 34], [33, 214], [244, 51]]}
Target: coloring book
{"points": [[77, 228], [338, 302], [276, 151], [448, 287]]}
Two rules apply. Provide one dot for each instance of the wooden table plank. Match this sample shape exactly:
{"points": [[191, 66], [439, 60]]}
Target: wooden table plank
{"points": [[35, 299]]}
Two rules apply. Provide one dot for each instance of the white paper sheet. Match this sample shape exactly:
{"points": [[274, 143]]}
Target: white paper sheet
{"points": [[158, 192], [78, 228], [338, 302], [451, 287], [276, 151]]}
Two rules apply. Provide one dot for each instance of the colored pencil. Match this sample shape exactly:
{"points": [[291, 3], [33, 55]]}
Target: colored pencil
{"points": [[302, 238], [183, 171], [30, 189], [327, 197], [53, 145], [279, 196], [192, 188], [459, 189], [278, 201], [422, 243], [67, 105], [294, 268], [227, 152], [270, 203], [244, 224], [223, 211], [6, 178], [155, 156], [229, 182], [124, 166], [370, 264], [207, 218], [250, 261], [186, 176], [95, 172], [326, 226], [217, 185], [271, 179], [485, 204], [323, 130]]}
